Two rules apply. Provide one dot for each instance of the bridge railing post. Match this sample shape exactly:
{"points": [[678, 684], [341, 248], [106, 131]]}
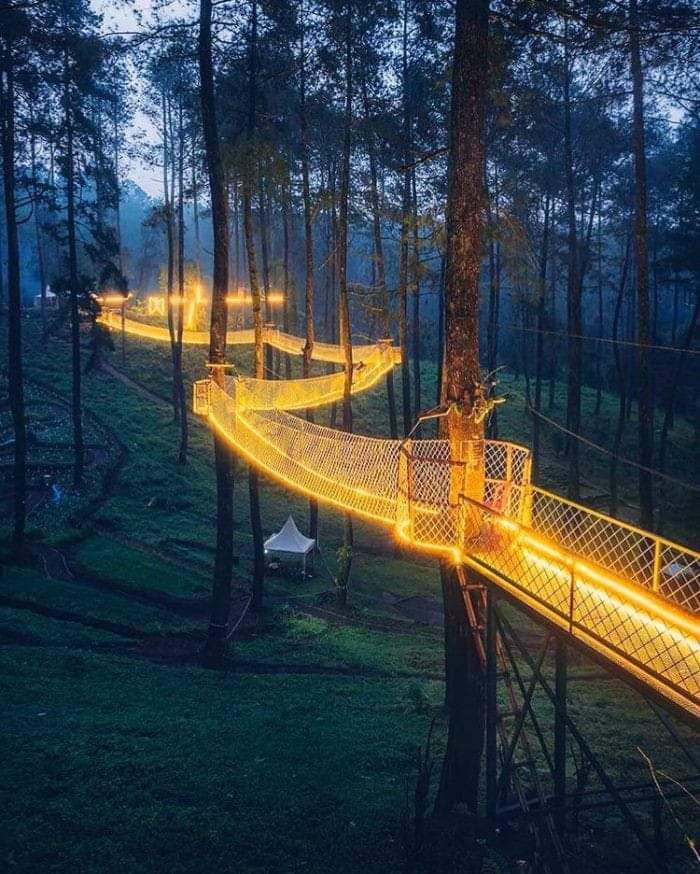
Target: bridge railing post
{"points": [[491, 707], [201, 401], [656, 572], [403, 502]]}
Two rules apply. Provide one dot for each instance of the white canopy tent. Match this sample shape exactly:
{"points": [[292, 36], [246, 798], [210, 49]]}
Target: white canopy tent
{"points": [[290, 541]]}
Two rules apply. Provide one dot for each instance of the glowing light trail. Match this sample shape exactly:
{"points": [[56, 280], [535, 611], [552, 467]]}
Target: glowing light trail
{"points": [[629, 595]]}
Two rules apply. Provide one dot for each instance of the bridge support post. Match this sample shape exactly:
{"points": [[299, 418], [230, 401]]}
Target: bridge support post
{"points": [[491, 707], [560, 721]]}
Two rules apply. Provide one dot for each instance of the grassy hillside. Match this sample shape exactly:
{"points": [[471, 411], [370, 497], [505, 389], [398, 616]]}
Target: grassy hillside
{"points": [[120, 753]]}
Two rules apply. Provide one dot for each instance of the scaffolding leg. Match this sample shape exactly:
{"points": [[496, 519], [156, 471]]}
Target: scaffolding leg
{"points": [[491, 706], [560, 720], [596, 766]]}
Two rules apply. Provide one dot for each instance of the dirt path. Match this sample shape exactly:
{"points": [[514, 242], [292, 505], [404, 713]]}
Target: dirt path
{"points": [[56, 567], [53, 561], [140, 389]]}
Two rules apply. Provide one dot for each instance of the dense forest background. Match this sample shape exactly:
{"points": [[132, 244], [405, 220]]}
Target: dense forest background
{"points": [[509, 190], [593, 151]]}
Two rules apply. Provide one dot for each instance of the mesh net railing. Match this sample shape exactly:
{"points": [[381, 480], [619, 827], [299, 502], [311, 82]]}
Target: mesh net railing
{"points": [[299, 394], [619, 619], [328, 352], [629, 594], [288, 343], [630, 554], [355, 473], [113, 321]]}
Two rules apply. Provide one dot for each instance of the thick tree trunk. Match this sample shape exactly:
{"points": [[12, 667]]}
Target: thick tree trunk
{"points": [[2, 254], [459, 780], [14, 359], [117, 181], [644, 387], [221, 587], [492, 332]]}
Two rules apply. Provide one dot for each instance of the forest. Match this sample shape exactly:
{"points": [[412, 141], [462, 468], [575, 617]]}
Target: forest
{"points": [[349, 435]]}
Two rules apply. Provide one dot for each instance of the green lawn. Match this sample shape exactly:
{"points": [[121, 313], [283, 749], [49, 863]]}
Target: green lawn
{"points": [[120, 753]]}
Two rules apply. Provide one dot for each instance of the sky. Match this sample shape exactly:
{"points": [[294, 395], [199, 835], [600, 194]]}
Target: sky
{"points": [[120, 16]]}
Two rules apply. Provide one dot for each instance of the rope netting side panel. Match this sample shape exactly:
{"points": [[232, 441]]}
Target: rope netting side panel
{"points": [[299, 394], [355, 473]]}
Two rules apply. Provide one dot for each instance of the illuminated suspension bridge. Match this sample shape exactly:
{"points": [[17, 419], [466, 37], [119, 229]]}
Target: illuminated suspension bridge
{"points": [[625, 595]]}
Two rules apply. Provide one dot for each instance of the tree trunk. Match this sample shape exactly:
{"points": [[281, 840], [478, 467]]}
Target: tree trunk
{"points": [[264, 251], [333, 262], [14, 360], [180, 385], [345, 564], [379, 259], [573, 394], [117, 182], [599, 344], [195, 214], [404, 240], [551, 394], [672, 390], [286, 284], [539, 337], [308, 247], [170, 242], [221, 587], [494, 295], [415, 336], [459, 780], [253, 480], [441, 330], [2, 248], [76, 402], [621, 382], [644, 389], [37, 221]]}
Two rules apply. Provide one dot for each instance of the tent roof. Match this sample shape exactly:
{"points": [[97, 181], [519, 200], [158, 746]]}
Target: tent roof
{"points": [[289, 539]]}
